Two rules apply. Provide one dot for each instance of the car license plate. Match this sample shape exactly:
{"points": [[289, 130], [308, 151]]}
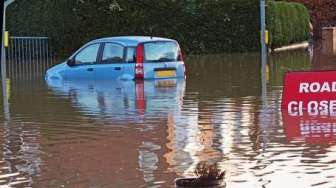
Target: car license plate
{"points": [[165, 73]]}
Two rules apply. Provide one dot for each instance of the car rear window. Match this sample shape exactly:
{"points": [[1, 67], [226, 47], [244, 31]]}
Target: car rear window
{"points": [[160, 51]]}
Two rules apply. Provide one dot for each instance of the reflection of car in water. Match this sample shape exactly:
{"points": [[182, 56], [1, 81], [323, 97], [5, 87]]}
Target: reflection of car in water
{"points": [[123, 58], [122, 99]]}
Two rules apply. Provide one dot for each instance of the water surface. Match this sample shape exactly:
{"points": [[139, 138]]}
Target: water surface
{"points": [[125, 134]]}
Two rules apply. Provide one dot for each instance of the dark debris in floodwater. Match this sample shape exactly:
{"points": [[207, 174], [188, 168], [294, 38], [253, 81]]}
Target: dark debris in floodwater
{"points": [[208, 175]]}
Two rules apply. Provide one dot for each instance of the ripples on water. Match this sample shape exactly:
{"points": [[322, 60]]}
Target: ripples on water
{"points": [[123, 134]]}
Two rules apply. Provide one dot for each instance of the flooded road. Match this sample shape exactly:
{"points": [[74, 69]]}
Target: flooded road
{"points": [[125, 134]]}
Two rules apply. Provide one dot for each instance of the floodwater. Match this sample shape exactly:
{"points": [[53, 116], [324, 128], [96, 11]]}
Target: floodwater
{"points": [[95, 134]]}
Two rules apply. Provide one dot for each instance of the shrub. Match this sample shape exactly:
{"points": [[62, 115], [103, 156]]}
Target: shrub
{"points": [[201, 26], [287, 23]]}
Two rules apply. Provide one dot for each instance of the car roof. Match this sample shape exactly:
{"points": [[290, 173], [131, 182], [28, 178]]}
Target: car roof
{"points": [[131, 40]]}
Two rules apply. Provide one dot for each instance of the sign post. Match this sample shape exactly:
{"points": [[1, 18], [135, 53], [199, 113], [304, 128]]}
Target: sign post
{"points": [[263, 50], [263, 31], [3, 57], [3, 52]]}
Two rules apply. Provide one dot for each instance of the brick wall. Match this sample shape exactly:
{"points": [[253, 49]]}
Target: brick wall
{"points": [[322, 12]]}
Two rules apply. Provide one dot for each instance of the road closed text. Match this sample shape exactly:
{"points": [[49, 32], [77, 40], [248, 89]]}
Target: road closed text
{"points": [[316, 87], [324, 107], [311, 103]]}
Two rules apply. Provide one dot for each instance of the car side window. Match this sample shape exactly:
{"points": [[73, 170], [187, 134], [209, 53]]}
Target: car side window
{"points": [[130, 56], [88, 55], [113, 53]]}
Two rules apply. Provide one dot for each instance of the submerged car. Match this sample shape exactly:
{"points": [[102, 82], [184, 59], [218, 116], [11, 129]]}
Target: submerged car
{"points": [[123, 58]]}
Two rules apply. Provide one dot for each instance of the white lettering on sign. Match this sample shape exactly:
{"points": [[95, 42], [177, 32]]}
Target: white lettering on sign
{"points": [[304, 88], [295, 108], [325, 87], [316, 87], [314, 108]]}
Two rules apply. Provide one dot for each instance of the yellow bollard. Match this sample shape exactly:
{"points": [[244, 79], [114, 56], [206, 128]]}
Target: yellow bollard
{"points": [[266, 37], [6, 40]]}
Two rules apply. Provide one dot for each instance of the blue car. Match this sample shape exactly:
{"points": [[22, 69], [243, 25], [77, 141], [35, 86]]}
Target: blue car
{"points": [[123, 58]]}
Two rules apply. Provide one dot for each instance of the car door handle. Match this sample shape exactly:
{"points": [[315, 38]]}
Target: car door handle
{"points": [[117, 68], [89, 69]]}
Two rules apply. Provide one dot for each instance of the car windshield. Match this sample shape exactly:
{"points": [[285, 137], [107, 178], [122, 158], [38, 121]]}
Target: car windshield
{"points": [[160, 51]]}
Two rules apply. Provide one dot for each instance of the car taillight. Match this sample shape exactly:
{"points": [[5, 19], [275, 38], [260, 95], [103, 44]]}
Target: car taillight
{"points": [[139, 73]]}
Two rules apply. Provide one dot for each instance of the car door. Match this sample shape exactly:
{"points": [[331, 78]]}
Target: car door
{"points": [[112, 62], [129, 66], [84, 63]]}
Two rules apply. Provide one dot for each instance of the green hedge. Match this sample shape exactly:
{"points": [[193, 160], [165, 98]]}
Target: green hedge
{"points": [[201, 26], [287, 23]]}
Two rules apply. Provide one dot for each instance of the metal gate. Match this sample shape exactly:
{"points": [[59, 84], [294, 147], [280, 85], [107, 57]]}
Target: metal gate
{"points": [[28, 56]]}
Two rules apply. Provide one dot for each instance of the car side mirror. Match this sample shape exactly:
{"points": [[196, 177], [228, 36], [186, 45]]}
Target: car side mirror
{"points": [[71, 62]]}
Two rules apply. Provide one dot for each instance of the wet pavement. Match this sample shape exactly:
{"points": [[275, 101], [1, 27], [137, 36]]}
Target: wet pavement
{"points": [[126, 134]]}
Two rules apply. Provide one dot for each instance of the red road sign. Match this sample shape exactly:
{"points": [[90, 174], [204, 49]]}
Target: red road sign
{"points": [[310, 91]]}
